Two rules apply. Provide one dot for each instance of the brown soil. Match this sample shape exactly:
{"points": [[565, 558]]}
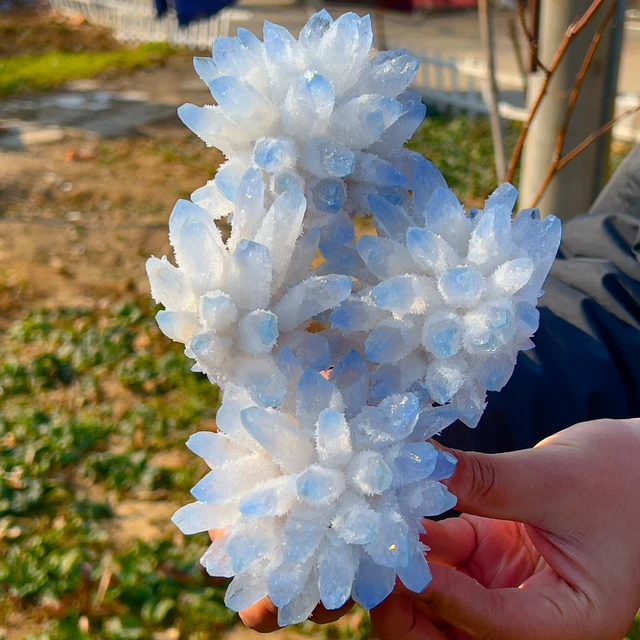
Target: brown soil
{"points": [[40, 30], [79, 218]]}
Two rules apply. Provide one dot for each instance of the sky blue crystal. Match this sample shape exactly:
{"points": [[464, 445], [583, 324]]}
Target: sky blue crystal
{"points": [[302, 538], [354, 315], [321, 469], [246, 547], [392, 72], [335, 235], [312, 350], [314, 394], [434, 420], [386, 381], [462, 285], [206, 69], [261, 327], [373, 583], [395, 294], [319, 486], [437, 500], [428, 179], [333, 438], [445, 466], [250, 41], [230, 57], [386, 343], [273, 499], [245, 590], [381, 255], [443, 338], [396, 416], [391, 546], [415, 462], [237, 99], [216, 561], [506, 195], [287, 581], [371, 473], [416, 576], [228, 179], [351, 376], [394, 195], [276, 435], [390, 218], [274, 154], [329, 195], [356, 522], [337, 567], [442, 387], [528, 317], [315, 29]]}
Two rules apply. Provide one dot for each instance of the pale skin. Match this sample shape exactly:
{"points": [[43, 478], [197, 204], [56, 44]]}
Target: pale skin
{"points": [[547, 548]]}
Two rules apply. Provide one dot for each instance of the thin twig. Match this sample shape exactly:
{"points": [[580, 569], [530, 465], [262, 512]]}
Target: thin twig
{"points": [[570, 34], [565, 160], [531, 39], [486, 35], [513, 36], [575, 93]]}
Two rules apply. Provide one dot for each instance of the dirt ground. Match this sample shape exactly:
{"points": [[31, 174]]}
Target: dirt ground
{"points": [[78, 218]]}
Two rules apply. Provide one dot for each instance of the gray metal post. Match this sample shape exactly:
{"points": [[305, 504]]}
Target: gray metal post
{"points": [[575, 187]]}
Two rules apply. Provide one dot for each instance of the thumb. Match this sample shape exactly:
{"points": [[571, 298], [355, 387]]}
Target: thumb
{"points": [[516, 486]]}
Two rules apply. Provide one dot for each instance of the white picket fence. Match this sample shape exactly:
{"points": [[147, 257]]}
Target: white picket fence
{"points": [[135, 20], [460, 86]]}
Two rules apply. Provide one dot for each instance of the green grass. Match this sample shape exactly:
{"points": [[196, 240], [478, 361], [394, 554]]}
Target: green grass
{"points": [[461, 147], [89, 400], [71, 451], [35, 72]]}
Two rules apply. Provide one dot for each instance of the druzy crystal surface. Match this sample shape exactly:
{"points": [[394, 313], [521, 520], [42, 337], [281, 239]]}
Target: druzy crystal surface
{"points": [[451, 297], [315, 506], [338, 357]]}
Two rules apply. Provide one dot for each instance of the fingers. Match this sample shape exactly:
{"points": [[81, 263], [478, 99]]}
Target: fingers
{"points": [[397, 618], [263, 616], [322, 615], [553, 611], [508, 486], [452, 541]]}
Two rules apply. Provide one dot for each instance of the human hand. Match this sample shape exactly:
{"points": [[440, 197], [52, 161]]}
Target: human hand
{"points": [[551, 550]]}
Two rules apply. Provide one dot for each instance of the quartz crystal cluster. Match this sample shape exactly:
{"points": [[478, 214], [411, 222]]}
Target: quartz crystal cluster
{"points": [[338, 358], [454, 296], [317, 112], [316, 506]]}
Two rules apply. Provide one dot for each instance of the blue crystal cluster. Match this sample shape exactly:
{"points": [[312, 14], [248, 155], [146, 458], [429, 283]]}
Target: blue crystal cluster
{"points": [[339, 358]]}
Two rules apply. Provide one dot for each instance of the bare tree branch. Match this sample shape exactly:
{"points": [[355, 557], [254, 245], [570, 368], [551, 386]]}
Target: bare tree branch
{"points": [[569, 36], [575, 93], [564, 161], [531, 39]]}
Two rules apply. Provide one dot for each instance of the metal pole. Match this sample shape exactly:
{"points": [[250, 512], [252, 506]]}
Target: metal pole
{"points": [[573, 189], [611, 91], [488, 44]]}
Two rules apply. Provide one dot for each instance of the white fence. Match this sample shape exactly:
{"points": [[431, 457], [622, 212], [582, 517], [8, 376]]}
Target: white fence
{"points": [[460, 86], [135, 20]]}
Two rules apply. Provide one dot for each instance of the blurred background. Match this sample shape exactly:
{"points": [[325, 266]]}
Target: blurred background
{"points": [[95, 405]]}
